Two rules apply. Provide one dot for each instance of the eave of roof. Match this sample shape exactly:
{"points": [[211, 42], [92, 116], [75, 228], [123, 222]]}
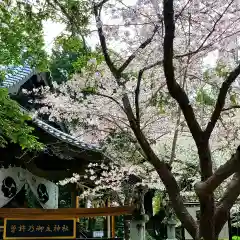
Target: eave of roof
{"points": [[13, 82]]}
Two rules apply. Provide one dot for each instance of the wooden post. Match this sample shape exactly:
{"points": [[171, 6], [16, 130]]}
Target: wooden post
{"points": [[77, 205], [77, 201], [108, 222], [113, 226], [73, 195]]}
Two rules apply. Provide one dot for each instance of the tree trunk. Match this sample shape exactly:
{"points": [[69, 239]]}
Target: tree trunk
{"points": [[207, 205], [126, 226]]}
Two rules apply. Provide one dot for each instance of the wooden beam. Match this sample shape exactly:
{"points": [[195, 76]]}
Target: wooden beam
{"points": [[32, 213], [113, 226], [77, 201]]}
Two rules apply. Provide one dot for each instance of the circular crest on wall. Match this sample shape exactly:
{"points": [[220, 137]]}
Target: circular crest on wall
{"points": [[43, 195], [9, 187]]}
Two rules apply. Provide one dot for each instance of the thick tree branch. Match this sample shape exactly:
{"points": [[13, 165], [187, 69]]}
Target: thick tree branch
{"points": [[99, 5], [153, 65], [102, 39], [221, 174], [221, 101], [174, 88], [164, 173], [226, 203], [178, 93], [142, 46], [137, 92], [111, 98], [117, 71]]}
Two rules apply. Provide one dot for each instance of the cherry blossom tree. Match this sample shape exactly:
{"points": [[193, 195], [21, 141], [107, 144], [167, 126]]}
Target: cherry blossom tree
{"points": [[155, 88]]}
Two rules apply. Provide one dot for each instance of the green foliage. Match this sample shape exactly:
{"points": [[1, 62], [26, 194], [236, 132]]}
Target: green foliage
{"points": [[160, 100], [66, 51], [148, 236], [207, 75], [69, 56], [121, 142], [204, 98], [119, 226], [21, 36], [21, 40], [157, 202], [221, 70], [13, 125], [74, 14], [233, 99], [64, 198], [235, 238], [89, 90], [82, 61]]}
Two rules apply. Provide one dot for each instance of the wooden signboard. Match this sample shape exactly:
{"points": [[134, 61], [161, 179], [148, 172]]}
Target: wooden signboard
{"points": [[39, 228]]}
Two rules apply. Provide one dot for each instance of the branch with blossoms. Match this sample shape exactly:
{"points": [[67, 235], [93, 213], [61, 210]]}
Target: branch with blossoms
{"points": [[116, 182], [119, 183]]}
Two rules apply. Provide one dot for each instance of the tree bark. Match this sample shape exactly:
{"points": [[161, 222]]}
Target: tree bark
{"points": [[164, 173], [229, 197], [222, 173], [207, 205]]}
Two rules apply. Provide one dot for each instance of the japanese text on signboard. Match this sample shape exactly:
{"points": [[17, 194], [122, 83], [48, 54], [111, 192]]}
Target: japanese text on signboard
{"points": [[39, 228]]}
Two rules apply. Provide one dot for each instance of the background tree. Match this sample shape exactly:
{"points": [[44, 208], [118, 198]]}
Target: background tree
{"points": [[69, 55], [21, 40]]}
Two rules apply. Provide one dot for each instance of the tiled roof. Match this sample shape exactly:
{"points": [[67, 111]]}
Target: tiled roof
{"points": [[16, 78], [13, 81]]}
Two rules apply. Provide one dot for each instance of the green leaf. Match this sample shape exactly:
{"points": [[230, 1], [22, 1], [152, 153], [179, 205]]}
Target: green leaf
{"points": [[206, 75], [204, 98], [89, 90], [233, 99], [221, 70], [13, 125]]}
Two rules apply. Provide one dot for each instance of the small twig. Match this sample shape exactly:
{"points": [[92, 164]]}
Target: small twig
{"points": [[137, 91], [102, 39], [230, 108], [142, 46], [207, 37], [111, 98], [221, 101]]}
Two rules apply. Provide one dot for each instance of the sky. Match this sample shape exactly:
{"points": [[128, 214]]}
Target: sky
{"points": [[51, 31]]}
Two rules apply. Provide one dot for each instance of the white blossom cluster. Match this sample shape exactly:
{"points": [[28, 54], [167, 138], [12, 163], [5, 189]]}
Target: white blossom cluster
{"points": [[116, 182]]}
